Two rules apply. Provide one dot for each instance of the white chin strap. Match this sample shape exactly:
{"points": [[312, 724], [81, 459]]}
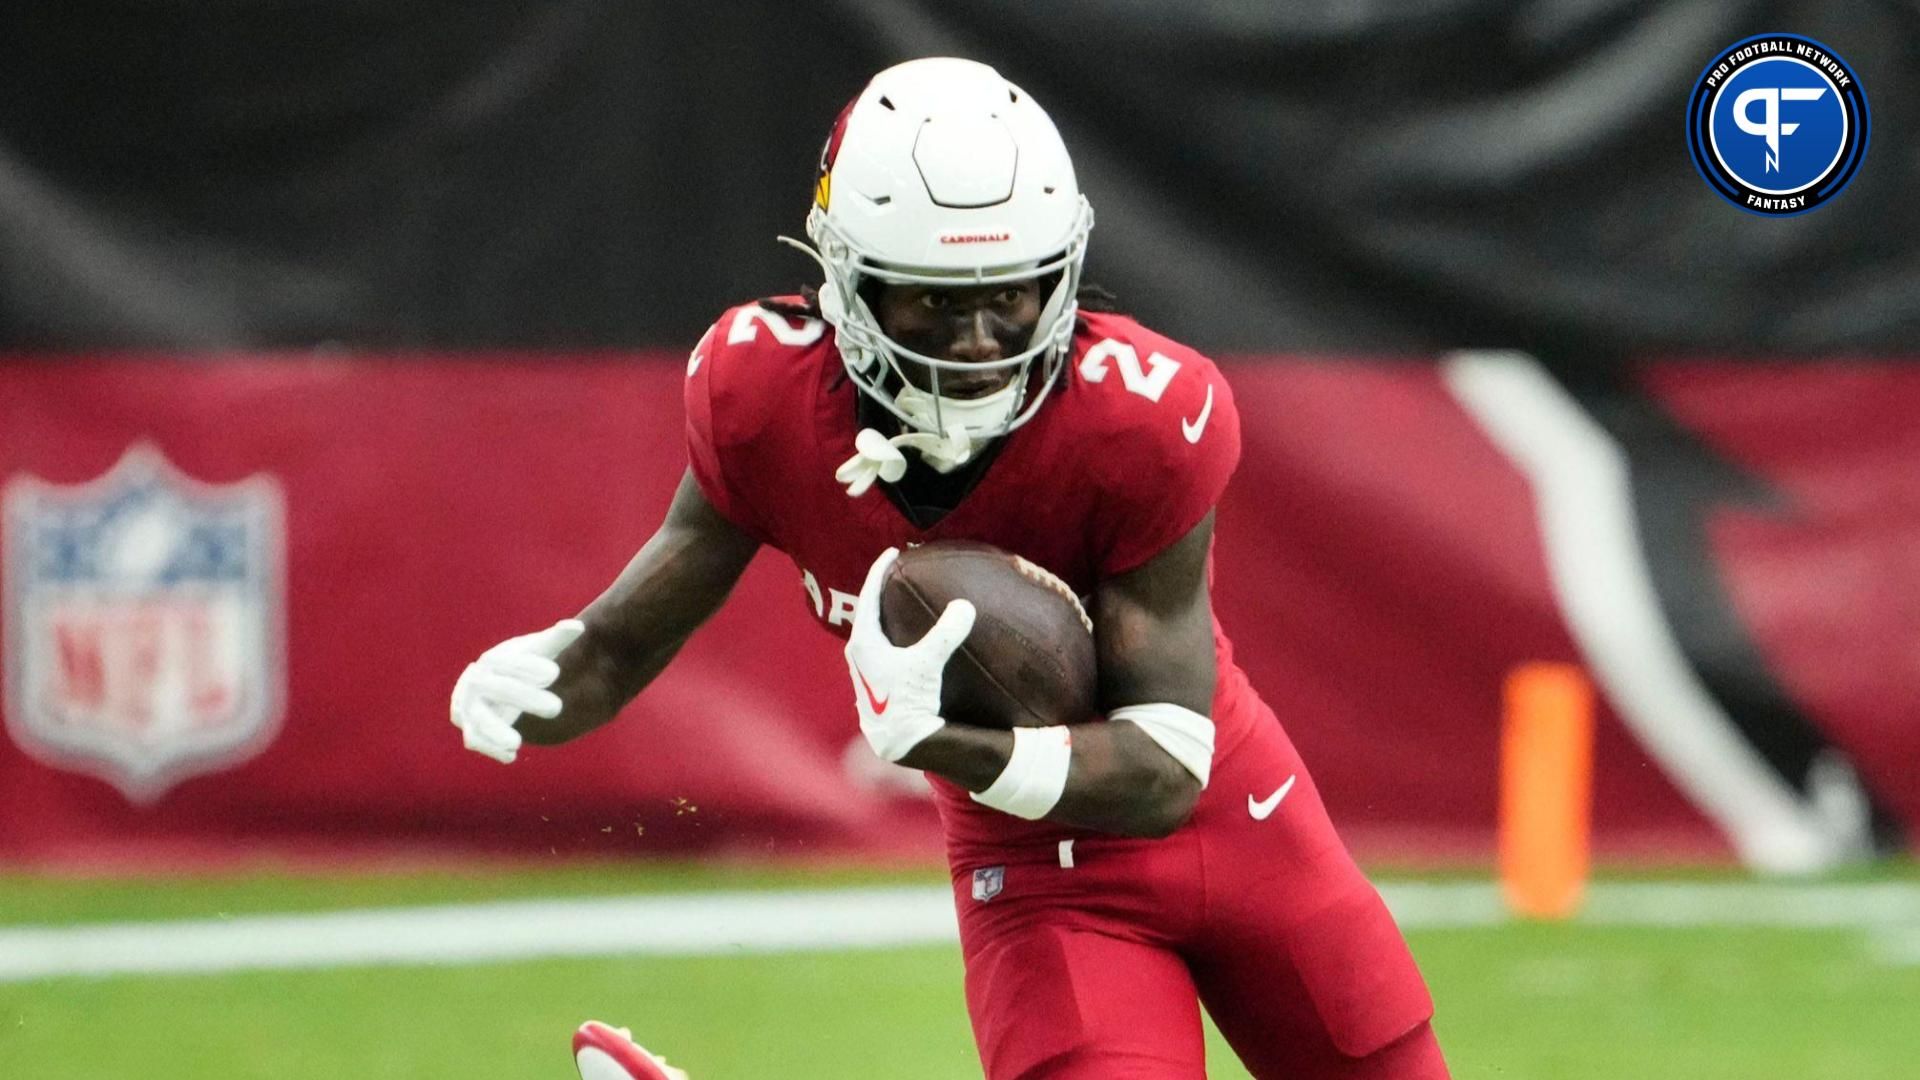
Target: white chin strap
{"points": [[878, 457]]}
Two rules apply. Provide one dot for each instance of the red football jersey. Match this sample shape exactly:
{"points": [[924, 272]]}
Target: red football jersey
{"points": [[1132, 448]]}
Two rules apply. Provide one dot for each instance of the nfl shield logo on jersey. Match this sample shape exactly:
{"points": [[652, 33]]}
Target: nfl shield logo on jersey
{"points": [[988, 881], [144, 634]]}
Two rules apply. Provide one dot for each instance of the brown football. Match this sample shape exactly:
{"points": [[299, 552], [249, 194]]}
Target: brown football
{"points": [[1028, 662]]}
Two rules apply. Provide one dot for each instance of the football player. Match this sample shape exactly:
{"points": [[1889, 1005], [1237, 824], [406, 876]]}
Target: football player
{"points": [[953, 378]]}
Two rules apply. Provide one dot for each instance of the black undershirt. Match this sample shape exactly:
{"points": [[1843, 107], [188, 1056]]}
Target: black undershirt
{"points": [[925, 494]]}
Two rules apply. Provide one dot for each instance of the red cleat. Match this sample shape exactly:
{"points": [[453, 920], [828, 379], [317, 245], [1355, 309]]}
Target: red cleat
{"points": [[601, 1052]]}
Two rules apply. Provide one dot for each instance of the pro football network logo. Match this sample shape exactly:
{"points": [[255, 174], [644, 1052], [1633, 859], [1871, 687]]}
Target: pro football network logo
{"points": [[1777, 124], [144, 633]]}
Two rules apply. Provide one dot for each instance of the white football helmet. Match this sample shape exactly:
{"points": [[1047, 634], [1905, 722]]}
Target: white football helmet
{"points": [[944, 173]]}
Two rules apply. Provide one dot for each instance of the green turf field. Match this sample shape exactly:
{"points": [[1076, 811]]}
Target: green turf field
{"points": [[1516, 1001]]}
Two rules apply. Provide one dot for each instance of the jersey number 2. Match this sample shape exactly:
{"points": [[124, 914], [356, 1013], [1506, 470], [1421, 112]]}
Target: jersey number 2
{"points": [[1149, 382], [748, 321]]}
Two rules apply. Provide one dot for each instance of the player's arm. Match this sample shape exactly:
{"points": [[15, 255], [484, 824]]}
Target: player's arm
{"points": [[594, 665], [1153, 629], [673, 584]]}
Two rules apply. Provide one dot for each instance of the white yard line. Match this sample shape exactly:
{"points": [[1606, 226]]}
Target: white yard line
{"points": [[1898, 946], [730, 923], [1860, 904], [689, 924], [1451, 905]]}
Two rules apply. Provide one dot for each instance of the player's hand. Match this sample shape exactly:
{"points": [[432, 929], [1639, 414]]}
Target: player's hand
{"points": [[896, 689], [510, 679]]}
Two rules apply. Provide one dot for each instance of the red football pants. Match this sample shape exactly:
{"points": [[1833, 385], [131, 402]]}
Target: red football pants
{"points": [[1098, 969]]}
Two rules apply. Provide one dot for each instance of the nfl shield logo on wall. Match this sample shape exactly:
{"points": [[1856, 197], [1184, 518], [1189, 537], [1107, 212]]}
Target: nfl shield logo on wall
{"points": [[144, 632]]}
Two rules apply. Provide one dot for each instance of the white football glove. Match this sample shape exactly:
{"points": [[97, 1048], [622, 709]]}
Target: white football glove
{"points": [[897, 690], [510, 679]]}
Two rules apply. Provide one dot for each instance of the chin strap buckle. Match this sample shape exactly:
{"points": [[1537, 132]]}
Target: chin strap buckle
{"points": [[877, 457]]}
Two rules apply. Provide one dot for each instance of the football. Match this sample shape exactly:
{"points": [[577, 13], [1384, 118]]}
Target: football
{"points": [[1029, 660]]}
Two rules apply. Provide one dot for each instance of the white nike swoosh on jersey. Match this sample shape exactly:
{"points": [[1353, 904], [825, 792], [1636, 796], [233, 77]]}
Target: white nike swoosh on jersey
{"points": [[1193, 428], [693, 363], [1263, 808]]}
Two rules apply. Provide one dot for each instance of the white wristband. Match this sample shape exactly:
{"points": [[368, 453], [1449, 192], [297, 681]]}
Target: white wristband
{"points": [[1184, 734], [1030, 786]]}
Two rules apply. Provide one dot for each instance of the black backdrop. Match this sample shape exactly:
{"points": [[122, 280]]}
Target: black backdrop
{"points": [[1355, 176]]}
